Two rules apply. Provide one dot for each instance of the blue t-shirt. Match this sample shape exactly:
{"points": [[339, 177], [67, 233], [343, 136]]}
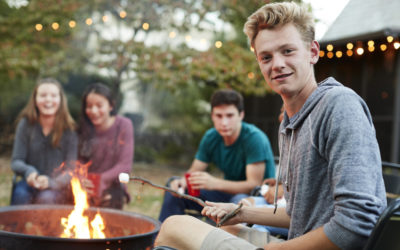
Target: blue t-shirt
{"points": [[251, 146]]}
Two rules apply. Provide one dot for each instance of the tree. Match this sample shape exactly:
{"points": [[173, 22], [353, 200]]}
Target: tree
{"points": [[28, 44], [119, 41]]}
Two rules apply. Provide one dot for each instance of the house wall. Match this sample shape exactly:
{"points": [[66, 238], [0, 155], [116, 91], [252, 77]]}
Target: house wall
{"points": [[263, 112], [373, 76]]}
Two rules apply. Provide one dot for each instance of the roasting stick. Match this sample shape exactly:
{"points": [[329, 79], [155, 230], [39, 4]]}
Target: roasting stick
{"points": [[125, 178], [230, 215]]}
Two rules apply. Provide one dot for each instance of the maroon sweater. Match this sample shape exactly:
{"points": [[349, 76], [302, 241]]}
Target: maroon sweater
{"points": [[112, 152]]}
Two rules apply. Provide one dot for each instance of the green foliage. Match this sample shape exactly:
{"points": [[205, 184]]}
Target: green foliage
{"points": [[174, 82], [230, 66], [25, 50], [145, 153], [13, 97], [179, 120]]}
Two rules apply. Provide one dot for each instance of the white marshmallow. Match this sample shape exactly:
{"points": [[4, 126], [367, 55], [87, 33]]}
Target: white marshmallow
{"points": [[281, 202], [123, 177], [264, 189]]}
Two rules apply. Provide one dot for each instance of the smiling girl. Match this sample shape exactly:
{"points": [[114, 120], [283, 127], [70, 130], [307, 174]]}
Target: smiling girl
{"points": [[106, 144], [45, 147]]}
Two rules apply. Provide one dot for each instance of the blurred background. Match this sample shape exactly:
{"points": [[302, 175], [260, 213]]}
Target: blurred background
{"points": [[164, 58]]}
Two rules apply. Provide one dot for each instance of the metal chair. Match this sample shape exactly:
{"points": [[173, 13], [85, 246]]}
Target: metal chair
{"points": [[392, 186], [163, 248], [385, 234], [15, 179], [391, 177]]}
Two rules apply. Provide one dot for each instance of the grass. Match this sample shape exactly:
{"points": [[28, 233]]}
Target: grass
{"points": [[145, 199], [5, 181]]}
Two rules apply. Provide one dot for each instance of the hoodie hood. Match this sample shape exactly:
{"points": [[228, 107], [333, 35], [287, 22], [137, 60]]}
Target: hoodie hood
{"points": [[309, 105]]}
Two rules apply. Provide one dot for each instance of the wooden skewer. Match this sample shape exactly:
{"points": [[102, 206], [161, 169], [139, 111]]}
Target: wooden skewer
{"points": [[186, 196], [230, 215]]}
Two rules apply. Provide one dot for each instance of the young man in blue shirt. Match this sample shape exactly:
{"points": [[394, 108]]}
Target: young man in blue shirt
{"points": [[239, 149]]}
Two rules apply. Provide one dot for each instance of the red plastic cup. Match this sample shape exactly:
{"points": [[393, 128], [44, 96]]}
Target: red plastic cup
{"points": [[191, 191], [95, 179]]}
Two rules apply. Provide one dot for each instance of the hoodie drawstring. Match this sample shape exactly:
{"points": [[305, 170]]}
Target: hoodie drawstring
{"points": [[279, 171]]}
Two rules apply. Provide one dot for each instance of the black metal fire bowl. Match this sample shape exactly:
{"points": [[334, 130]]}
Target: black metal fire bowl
{"points": [[39, 227]]}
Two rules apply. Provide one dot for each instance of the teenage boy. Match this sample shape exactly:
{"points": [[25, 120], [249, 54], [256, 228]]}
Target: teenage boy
{"points": [[330, 163], [239, 149]]}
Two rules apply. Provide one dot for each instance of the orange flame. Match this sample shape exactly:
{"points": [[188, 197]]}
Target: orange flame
{"points": [[77, 224]]}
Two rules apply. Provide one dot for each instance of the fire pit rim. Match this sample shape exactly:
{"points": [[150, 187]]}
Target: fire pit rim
{"points": [[156, 223]]}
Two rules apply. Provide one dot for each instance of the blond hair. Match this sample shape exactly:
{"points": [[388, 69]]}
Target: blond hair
{"points": [[63, 120], [277, 14]]}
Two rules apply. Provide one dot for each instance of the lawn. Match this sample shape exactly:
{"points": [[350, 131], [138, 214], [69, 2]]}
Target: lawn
{"points": [[145, 199]]}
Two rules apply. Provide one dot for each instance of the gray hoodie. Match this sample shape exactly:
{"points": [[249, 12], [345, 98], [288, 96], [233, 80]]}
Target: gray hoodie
{"points": [[332, 175]]}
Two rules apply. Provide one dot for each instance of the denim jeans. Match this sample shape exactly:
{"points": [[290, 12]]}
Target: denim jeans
{"points": [[259, 201], [173, 205], [113, 197], [24, 194]]}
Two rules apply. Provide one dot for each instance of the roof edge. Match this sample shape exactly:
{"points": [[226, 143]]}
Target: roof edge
{"points": [[365, 36]]}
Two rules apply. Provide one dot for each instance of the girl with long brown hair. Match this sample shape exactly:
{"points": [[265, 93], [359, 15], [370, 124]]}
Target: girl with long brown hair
{"points": [[106, 143], [45, 147]]}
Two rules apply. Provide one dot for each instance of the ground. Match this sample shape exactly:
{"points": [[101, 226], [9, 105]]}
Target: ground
{"points": [[145, 199]]}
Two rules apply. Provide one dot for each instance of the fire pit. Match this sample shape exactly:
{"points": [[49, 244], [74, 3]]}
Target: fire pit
{"points": [[38, 227]]}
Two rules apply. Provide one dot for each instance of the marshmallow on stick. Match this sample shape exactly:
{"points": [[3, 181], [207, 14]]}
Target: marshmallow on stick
{"points": [[125, 178]]}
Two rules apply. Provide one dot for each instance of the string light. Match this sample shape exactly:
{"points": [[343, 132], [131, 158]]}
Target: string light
{"points": [[371, 43], [38, 27], [72, 24], [218, 44], [172, 34], [360, 51], [349, 46], [122, 14], [329, 53], [89, 21], [55, 26], [371, 48]]}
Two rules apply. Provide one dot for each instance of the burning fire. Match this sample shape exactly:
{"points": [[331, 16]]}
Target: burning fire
{"points": [[77, 224]]}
